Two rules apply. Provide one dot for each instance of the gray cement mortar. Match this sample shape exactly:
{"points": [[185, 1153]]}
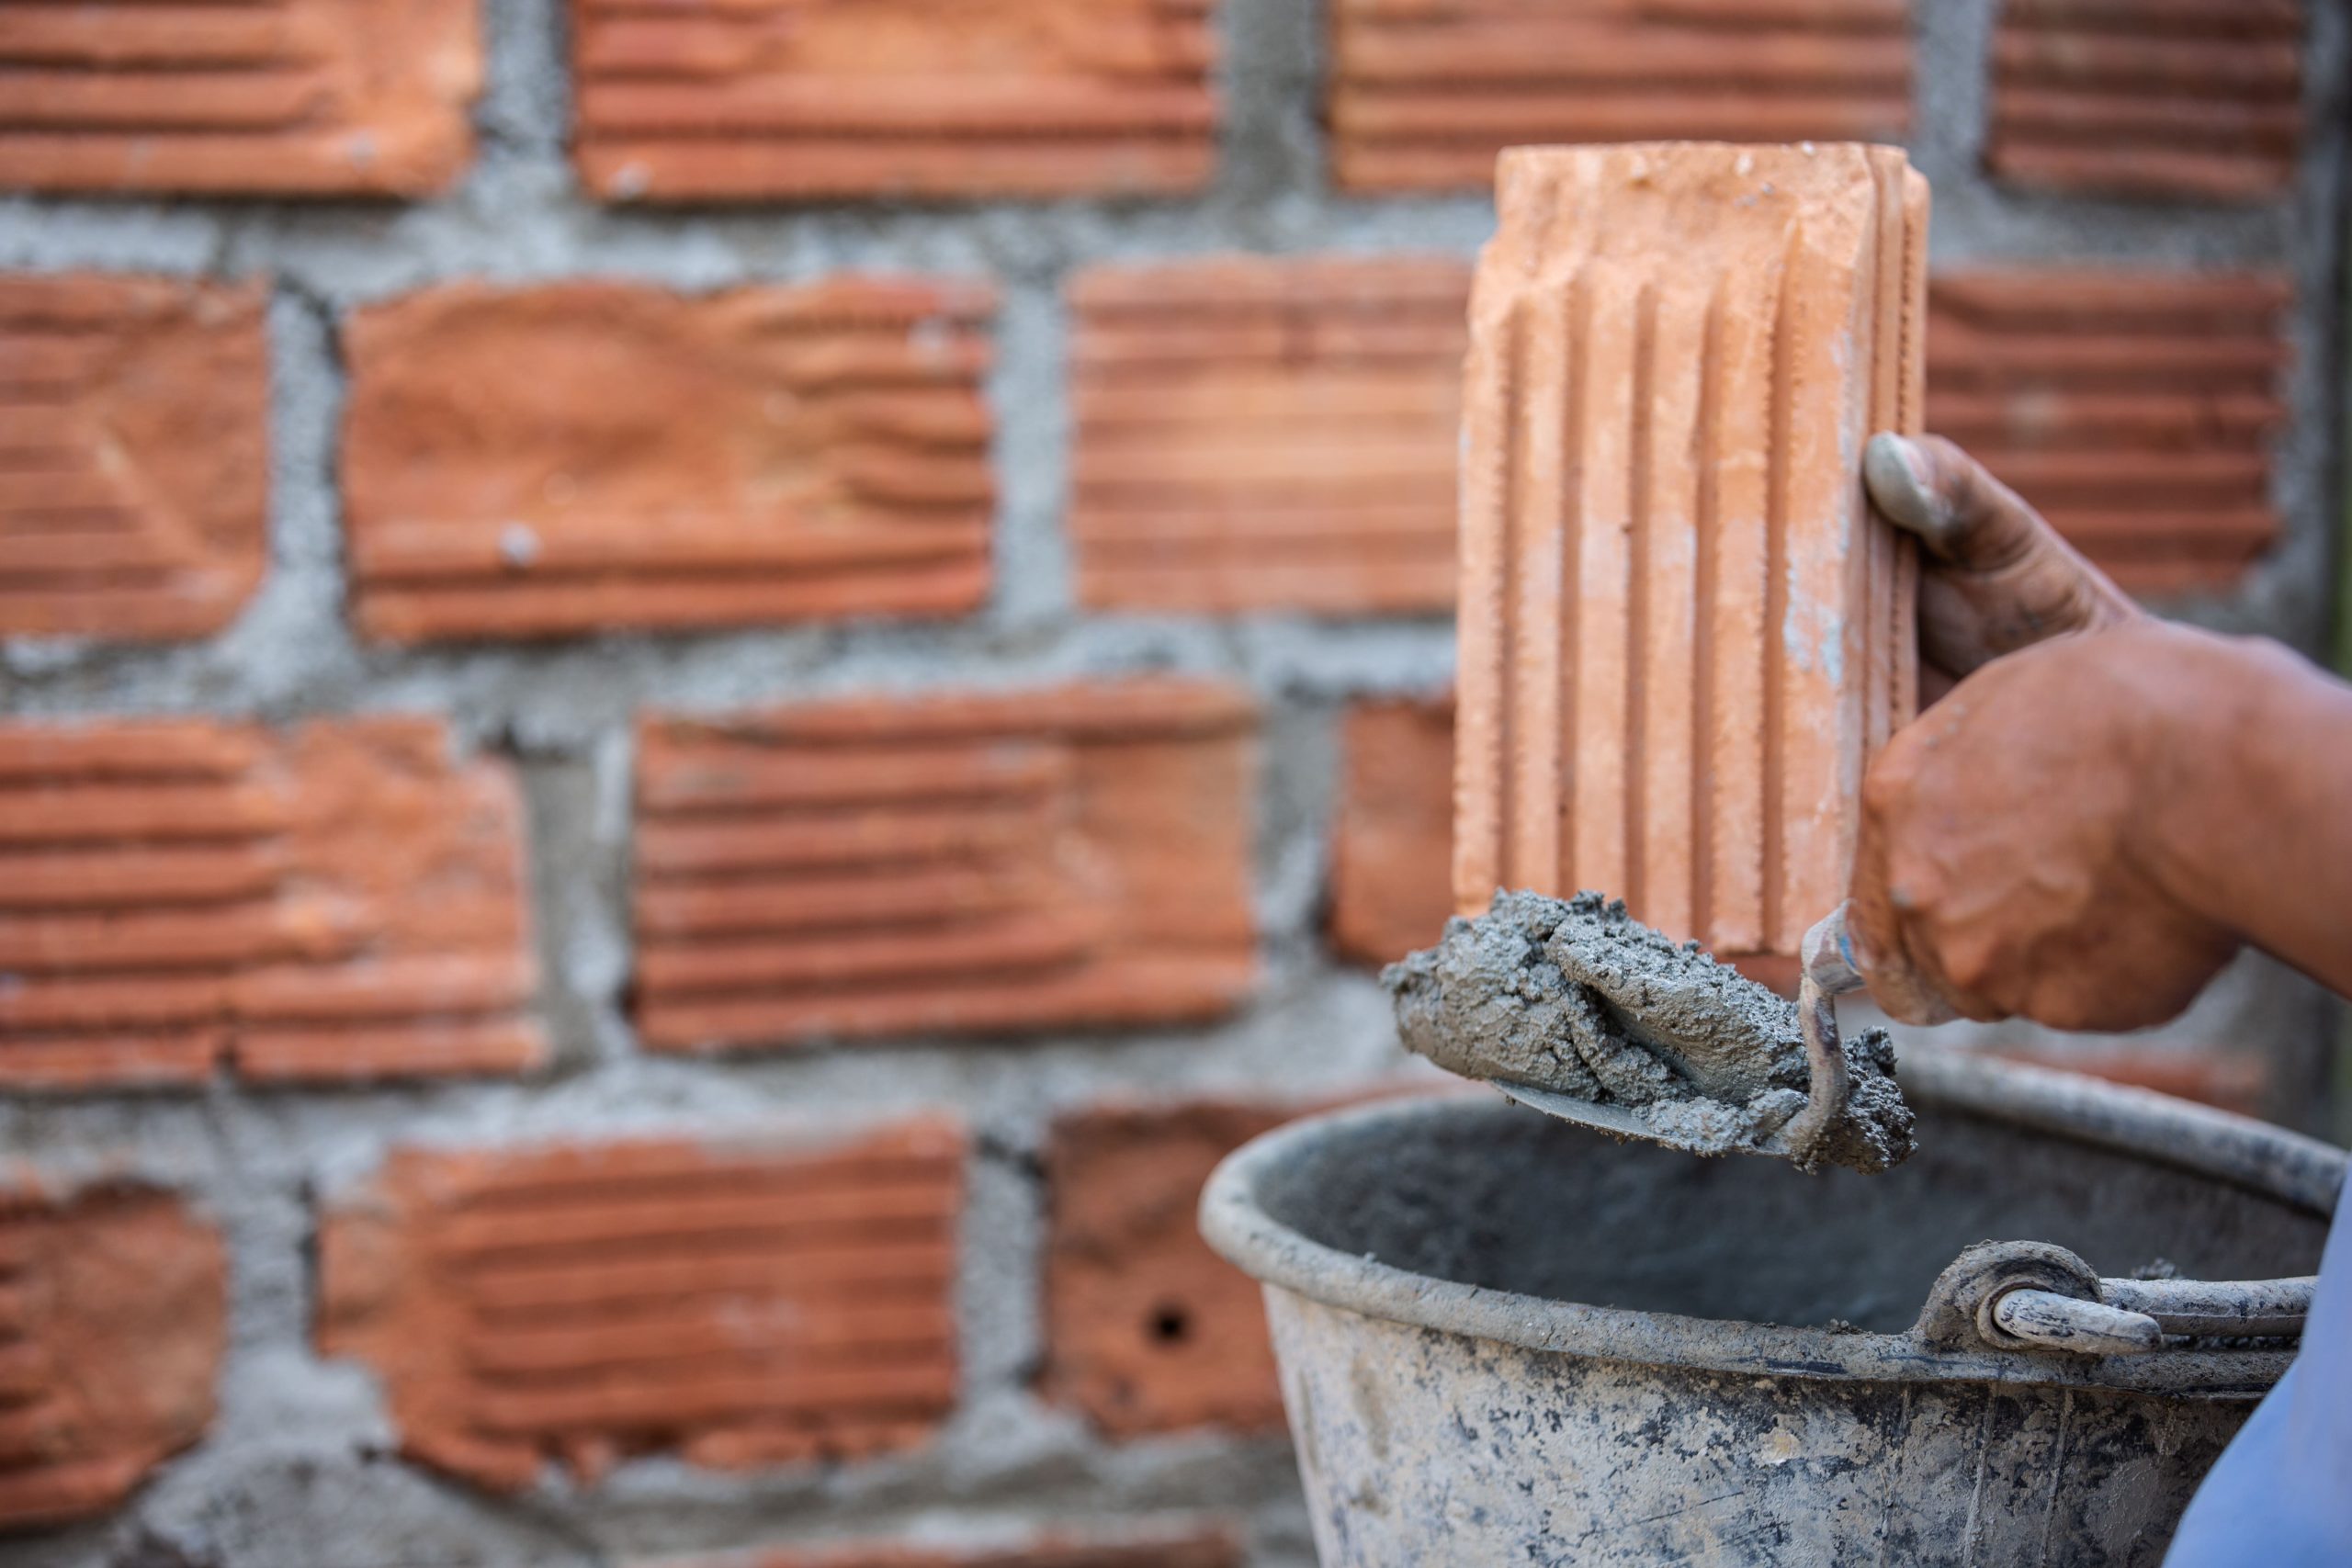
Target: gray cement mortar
{"points": [[299, 1468]]}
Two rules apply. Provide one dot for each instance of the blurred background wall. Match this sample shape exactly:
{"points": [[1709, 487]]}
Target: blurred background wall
{"points": [[702, 693]]}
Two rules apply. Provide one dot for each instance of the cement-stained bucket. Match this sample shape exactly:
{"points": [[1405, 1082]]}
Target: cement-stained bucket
{"points": [[1505, 1340]]}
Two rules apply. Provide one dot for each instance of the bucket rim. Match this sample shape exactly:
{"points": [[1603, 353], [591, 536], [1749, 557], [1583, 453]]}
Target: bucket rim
{"points": [[2272, 1161]]}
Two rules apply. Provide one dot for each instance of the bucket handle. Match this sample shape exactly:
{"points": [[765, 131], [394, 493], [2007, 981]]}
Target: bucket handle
{"points": [[2031, 1295]]}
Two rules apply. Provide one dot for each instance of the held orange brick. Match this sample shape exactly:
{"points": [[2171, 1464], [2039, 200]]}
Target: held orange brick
{"points": [[238, 98], [720, 100], [134, 451], [1192, 1548], [1146, 1330], [760, 1300], [1268, 434], [576, 458], [2136, 409], [342, 901], [1071, 857], [113, 1317], [1392, 835], [1672, 670], [2181, 98], [1425, 93]]}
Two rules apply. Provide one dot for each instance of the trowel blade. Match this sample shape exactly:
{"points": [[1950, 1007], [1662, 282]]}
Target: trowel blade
{"points": [[1625, 1124]]}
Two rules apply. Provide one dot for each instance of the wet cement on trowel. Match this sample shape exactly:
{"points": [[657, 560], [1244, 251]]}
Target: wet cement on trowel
{"points": [[1577, 997]]}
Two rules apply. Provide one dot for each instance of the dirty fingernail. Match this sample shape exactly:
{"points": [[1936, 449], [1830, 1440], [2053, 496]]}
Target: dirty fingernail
{"points": [[1897, 473]]}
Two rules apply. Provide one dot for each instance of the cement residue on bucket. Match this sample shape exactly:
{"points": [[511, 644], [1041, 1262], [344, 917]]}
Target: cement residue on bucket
{"points": [[1580, 999]]}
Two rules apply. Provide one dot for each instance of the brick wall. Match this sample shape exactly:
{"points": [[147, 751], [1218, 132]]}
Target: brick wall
{"points": [[696, 699]]}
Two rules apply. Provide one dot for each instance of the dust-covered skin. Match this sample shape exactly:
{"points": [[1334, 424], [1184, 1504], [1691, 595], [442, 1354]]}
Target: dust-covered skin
{"points": [[1577, 996]]}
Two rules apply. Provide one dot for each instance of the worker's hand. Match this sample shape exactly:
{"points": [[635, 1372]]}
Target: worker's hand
{"points": [[2019, 838], [1997, 578]]}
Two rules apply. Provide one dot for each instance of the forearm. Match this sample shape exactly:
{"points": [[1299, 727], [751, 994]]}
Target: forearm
{"points": [[2252, 799]]}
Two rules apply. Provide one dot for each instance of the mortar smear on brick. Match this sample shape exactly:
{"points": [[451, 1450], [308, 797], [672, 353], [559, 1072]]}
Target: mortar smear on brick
{"points": [[579, 456], [742, 1303], [1074, 856], [342, 901], [1682, 631], [1424, 95], [1267, 435], [134, 455], [2135, 408], [714, 100], [113, 1316], [260, 98], [2201, 99]]}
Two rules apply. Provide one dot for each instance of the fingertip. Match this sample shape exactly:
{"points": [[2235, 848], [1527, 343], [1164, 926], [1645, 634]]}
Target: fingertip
{"points": [[1897, 474]]}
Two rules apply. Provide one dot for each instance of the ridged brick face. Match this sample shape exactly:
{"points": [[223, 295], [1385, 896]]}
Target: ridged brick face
{"points": [[1204, 1550], [1146, 1330], [342, 901], [134, 452], [1258, 434], [722, 100], [2181, 98], [537, 462], [741, 1304], [1391, 833], [238, 98], [1682, 631], [1076, 856], [2136, 410], [1425, 93], [113, 1309]]}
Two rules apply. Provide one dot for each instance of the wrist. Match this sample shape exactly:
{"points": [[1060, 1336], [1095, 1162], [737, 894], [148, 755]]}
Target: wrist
{"points": [[2224, 750]]}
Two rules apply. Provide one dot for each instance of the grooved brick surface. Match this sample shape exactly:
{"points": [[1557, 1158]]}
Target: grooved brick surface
{"points": [[238, 98], [565, 459], [723, 100], [342, 900], [2182, 99], [134, 453], [743, 1304], [1673, 670], [113, 1310], [1391, 833], [1425, 93], [1146, 1330], [1213, 1550], [1256, 435], [1074, 856], [2135, 408]]}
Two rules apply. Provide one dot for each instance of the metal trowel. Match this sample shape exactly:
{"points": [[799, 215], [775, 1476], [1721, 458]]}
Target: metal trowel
{"points": [[1577, 1009], [1827, 972]]}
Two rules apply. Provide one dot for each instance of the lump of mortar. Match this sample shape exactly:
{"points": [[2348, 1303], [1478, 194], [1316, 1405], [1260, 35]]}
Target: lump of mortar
{"points": [[1577, 997]]}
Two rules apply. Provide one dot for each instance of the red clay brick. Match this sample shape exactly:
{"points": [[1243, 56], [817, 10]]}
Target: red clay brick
{"points": [[1076, 856], [266, 97], [113, 1313], [343, 900], [134, 451], [1258, 434], [743, 1302], [1213, 1550], [2233, 1081], [1673, 670], [2135, 408], [2196, 98], [1425, 93], [1147, 1329], [576, 457], [716, 100], [1392, 837]]}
